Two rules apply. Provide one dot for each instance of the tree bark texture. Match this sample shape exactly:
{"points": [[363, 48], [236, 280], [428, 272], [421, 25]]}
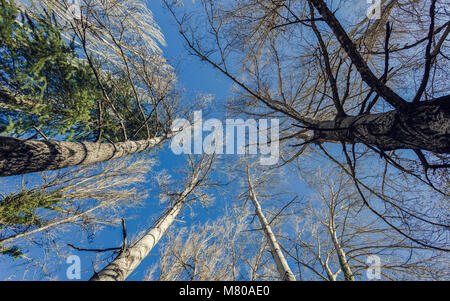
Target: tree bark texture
{"points": [[130, 258], [422, 126], [19, 156], [342, 257], [280, 261]]}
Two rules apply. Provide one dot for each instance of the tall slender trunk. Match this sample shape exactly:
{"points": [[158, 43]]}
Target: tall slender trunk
{"points": [[343, 262], [130, 258], [19, 156], [281, 263]]}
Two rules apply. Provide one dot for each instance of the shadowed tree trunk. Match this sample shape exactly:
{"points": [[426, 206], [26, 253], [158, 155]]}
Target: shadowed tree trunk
{"points": [[19, 156], [417, 125], [423, 125]]}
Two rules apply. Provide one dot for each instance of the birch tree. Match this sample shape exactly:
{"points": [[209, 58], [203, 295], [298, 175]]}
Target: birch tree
{"points": [[336, 236], [130, 257], [280, 261]]}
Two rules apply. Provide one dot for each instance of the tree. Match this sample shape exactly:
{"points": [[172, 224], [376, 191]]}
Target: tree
{"points": [[232, 25], [331, 78], [131, 256], [281, 263], [44, 85], [336, 236], [86, 197], [201, 252], [19, 156], [109, 95], [363, 107]]}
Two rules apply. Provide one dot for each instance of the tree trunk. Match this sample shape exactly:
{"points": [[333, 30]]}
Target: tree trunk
{"points": [[350, 48], [422, 126], [281, 263], [343, 262], [19, 156], [130, 258]]}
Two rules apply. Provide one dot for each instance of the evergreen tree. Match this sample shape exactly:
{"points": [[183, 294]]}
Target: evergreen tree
{"points": [[44, 84], [50, 87]]}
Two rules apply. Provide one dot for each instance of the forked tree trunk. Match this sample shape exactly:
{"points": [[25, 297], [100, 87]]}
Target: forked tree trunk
{"points": [[130, 258], [280, 261], [413, 125], [19, 156], [422, 126]]}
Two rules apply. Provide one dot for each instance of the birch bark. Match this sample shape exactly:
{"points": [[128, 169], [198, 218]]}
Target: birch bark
{"points": [[280, 261], [130, 258]]}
